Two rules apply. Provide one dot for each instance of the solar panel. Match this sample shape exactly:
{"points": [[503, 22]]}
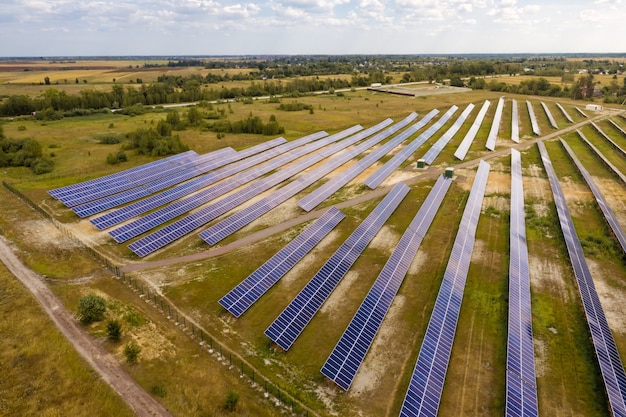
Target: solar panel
{"points": [[608, 139], [514, 121], [85, 185], [173, 231], [533, 119], [602, 157], [495, 126], [383, 172], [230, 225], [463, 148], [438, 146], [313, 199], [291, 322], [549, 115], [521, 386], [240, 299], [565, 113], [604, 206], [424, 392], [582, 113], [347, 356], [611, 367]]}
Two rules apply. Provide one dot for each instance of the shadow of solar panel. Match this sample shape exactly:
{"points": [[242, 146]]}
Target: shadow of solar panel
{"points": [[521, 388], [241, 298], [608, 357], [291, 322], [424, 392], [347, 356]]}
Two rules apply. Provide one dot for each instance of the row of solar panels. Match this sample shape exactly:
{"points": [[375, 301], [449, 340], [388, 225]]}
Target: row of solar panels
{"points": [[188, 181]]}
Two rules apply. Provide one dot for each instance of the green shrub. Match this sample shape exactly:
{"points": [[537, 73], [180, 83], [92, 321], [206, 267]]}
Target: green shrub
{"points": [[132, 352], [231, 400], [114, 331], [91, 308]]}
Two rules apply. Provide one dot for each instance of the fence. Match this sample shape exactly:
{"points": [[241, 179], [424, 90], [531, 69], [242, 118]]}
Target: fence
{"points": [[271, 391]]}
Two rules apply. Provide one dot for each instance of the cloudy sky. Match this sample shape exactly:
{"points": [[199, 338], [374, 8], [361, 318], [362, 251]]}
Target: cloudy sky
{"points": [[239, 27]]}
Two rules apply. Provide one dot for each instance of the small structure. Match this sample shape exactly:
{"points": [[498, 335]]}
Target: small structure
{"points": [[421, 163], [376, 85], [449, 173], [593, 107]]}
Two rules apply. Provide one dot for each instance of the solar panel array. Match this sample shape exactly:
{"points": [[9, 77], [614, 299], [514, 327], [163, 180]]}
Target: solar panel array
{"points": [[347, 356], [313, 199], [383, 172], [521, 385], [201, 165], [604, 345], [435, 150], [514, 121], [495, 126], [190, 202], [245, 159], [179, 228], [533, 119], [230, 225], [582, 113], [82, 192], [565, 113], [616, 126], [461, 151], [549, 115], [424, 393], [604, 206], [241, 298], [286, 328], [602, 157], [608, 139]]}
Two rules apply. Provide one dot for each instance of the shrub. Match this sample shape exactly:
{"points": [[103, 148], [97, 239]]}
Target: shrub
{"points": [[108, 138], [115, 159], [91, 308], [231, 400], [132, 351], [114, 331]]}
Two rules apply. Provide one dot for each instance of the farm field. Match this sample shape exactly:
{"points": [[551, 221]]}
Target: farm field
{"points": [[191, 276]]}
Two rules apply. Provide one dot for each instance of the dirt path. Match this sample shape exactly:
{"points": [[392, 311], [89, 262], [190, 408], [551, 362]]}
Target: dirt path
{"points": [[102, 362]]}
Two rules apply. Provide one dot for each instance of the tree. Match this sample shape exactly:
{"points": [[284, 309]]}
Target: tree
{"points": [[91, 308], [114, 330], [132, 351], [194, 117], [46, 80], [583, 87]]}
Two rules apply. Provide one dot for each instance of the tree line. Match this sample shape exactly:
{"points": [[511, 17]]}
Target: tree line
{"points": [[23, 153]]}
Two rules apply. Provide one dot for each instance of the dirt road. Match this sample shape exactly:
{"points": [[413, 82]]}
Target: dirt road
{"points": [[101, 361]]}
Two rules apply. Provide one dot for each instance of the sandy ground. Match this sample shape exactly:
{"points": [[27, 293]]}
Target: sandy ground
{"points": [[101, 361]]}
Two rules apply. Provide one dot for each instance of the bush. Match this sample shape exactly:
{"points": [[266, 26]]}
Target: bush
{"points": [[132, 351], [115, 159], [158, 390], [231, 400], [42, 165], [91, 308], [114, 331], [109, 138]]}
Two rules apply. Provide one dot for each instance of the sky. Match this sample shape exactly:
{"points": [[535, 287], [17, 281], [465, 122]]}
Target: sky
{"points": [[275, 27]]}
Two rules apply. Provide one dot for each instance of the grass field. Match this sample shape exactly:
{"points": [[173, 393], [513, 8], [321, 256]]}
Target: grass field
{"points": [[569, 382]]}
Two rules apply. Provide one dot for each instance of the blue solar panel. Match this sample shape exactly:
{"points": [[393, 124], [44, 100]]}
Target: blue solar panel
{"points": [[549, 115], [604, 345], [291, 322], [171, 232], [383, 172], [495, 126], [435, 150], [424, 393], [608, 139], [241, 298], [533, 119], [463, 148], [347, 356], [514, 121], [567, 116], [602, 157], [521, 386], [309, 202], [228, 226], [604, 206]]}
